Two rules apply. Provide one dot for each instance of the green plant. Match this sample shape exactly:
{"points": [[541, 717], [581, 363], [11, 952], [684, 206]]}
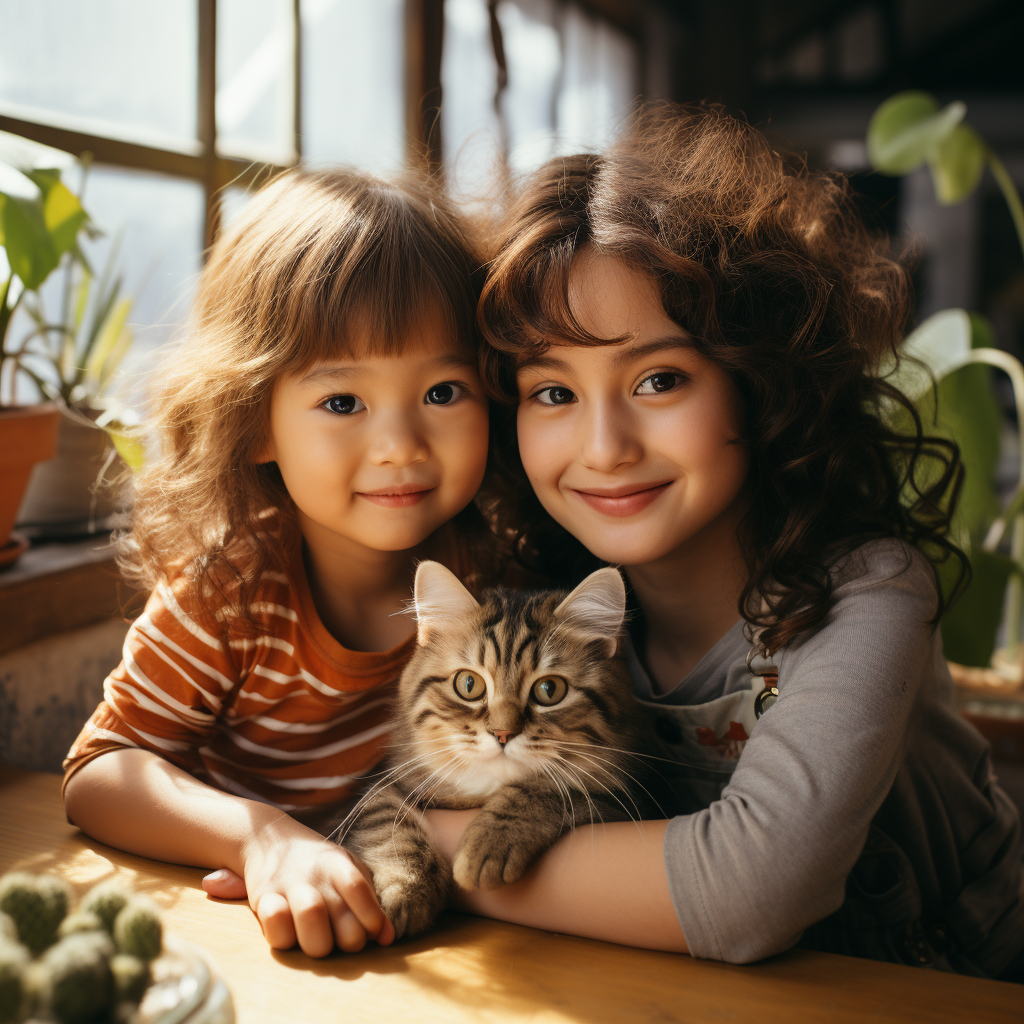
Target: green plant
{"points": [[41, 225], [946, 375]]}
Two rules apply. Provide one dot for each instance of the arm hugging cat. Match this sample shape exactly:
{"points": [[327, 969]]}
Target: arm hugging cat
{"points": [[516, 705]]}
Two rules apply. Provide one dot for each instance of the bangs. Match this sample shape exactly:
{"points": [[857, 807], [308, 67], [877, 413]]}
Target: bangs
{"points": [[339, 264], [387, 273]]}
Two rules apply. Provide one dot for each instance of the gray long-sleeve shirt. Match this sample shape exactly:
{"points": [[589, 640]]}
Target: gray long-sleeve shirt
{"points": [[862, 788]]}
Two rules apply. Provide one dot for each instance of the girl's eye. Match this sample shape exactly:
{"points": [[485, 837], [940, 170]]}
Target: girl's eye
{"points": [[468, 685], [555, 396], [444, 394], [549, 690], [344, 405], [659, 383]]}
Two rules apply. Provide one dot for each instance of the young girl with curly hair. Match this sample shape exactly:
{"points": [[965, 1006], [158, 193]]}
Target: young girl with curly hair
{"points": [[689, 330], [321, 429]]}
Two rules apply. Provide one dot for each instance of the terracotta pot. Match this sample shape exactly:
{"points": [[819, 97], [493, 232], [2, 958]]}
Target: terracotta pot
{"points": [[28, 434], [62, 495]]}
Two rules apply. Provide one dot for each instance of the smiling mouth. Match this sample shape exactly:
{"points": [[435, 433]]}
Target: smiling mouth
{"points": [[622, 501], [401, 496]]}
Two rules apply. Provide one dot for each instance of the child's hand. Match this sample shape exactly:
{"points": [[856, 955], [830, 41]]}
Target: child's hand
{"points": [[303, 888]]}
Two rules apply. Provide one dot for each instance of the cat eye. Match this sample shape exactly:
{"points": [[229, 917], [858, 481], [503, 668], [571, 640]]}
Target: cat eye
{"points": [[469, 685], [549, 690]]}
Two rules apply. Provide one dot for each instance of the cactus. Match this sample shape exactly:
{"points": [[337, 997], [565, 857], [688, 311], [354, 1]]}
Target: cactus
{"points": [[106, 901], [78, 983], [131, 976], [37, 906], [80, 921], [14, 960], [8, 929], [137, 929]]}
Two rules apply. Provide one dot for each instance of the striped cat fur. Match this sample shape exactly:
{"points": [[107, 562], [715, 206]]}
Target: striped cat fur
{"points": [[516, 704]]}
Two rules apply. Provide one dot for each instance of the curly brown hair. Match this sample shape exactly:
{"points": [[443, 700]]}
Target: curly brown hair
{"points": [[314, 256], [773, 274]]}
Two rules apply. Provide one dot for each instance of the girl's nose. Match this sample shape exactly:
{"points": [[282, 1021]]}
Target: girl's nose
{"points": [[397, 442], [609, 440]]}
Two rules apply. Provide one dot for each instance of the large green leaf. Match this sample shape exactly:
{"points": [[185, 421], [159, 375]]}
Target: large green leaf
{"points": [[30, 249], [941, 343], [906, 130], [957, 165], [63, 215], [969, 627]]}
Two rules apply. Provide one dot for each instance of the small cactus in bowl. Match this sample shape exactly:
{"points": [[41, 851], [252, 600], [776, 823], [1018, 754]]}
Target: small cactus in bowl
{"points": [[76, 968], [106, 901], [138, 931], [14, 961], [37, 904]]}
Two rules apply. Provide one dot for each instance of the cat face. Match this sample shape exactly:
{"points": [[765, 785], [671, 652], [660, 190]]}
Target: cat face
{"points": [[515, 686]]}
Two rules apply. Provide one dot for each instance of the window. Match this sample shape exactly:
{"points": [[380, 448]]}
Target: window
{"points": [[184, 104], [525, 80]]}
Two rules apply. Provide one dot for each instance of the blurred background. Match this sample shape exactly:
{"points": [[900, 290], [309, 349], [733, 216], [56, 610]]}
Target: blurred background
{"points": [[183, 104]]}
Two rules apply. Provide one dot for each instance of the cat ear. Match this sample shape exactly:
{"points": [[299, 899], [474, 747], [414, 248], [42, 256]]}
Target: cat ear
{"points": [[597, 607], [439, 597]]}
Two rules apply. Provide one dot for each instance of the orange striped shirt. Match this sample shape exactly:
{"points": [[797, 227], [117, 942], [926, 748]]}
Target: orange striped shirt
{"points": [[288, 716]]}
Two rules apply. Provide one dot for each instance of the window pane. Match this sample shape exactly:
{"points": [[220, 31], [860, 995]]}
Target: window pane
{"points": [[533, 56], [600, 80], [255, 79], [111, 67], [471, 135], [353, 83]]}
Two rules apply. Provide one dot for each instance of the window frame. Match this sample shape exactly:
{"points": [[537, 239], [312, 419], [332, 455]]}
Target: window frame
{"points": [[424, 31]]}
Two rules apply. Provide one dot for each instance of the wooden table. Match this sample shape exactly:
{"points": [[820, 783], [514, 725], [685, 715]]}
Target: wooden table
{"points": [[470, 969]]}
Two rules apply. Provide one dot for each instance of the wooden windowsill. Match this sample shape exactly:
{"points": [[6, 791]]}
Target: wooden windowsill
{"points": [[60, 586]]}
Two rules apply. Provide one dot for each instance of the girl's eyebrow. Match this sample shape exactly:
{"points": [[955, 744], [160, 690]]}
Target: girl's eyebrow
{"points": [[326, 374], [631, 352], [625, 355]]}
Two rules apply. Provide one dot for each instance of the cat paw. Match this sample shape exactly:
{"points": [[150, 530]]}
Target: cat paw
{"points": [[488, 859], [411, 908]]}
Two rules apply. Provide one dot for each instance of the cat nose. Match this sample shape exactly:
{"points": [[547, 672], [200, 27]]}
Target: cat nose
{"points": [[502, 735]]}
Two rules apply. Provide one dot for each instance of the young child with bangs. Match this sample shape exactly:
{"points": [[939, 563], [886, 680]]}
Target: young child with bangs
{"points": [[688, 330], [322, 428]]}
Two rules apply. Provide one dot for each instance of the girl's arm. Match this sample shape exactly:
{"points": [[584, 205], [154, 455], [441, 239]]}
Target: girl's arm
{"points": [[301, 887], [600, 881]]}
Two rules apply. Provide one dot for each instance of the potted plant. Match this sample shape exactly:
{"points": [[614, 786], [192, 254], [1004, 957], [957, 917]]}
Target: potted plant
{"points": [[82, 351], [947, 375], [41, 224]]}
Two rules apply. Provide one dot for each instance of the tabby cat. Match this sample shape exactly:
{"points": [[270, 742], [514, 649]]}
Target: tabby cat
{"points": [[516, 705]]}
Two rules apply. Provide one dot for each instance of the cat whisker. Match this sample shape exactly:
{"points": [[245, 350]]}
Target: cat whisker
{"points": [[387, 778], [569, 770], [591, 756], [611, 792], [568, 813]]}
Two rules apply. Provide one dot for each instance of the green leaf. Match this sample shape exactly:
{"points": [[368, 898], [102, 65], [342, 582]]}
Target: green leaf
{"points": [[969, 627], [63, 215], [941, 343], [983, 334], [128, 446], [969, 414], [906, 130], [83, 297], [107, 340], [30, 249], [45, 178], [957, 165]]}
